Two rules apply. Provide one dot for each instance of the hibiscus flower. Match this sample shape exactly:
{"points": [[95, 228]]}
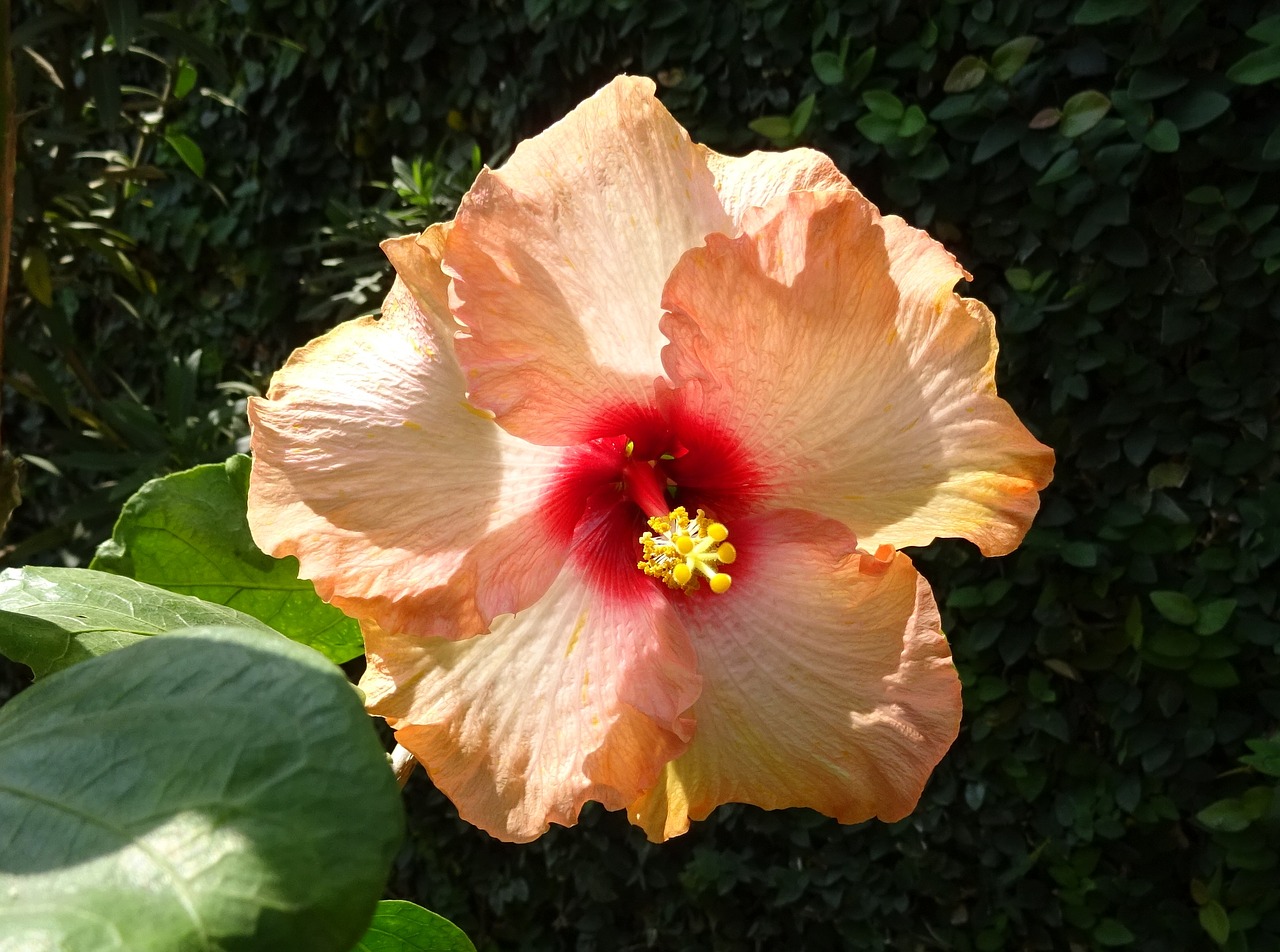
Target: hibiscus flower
{"points": [[617, 482]]}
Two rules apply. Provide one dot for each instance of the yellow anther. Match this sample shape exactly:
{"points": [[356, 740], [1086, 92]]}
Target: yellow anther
{"points": [[680, 548]]}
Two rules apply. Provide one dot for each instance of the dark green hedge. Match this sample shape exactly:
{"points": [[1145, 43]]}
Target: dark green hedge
{"points": [[1107, 169]]}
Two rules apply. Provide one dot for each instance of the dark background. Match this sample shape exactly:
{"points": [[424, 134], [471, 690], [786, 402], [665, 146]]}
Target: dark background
{"points": [[193, 203]]}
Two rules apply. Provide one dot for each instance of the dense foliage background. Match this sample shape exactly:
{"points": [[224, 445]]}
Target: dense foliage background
{"points": [[201, 187]]}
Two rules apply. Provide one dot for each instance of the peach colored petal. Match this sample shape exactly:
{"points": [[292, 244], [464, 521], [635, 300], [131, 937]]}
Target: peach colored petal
{"points": [[402, 502], [416, 259], [827, 683], [829, 341], [756, 179], [559, 259], [579, 697]]}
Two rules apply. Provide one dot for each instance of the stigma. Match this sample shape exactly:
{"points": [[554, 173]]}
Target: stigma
{"points": [[680, 550]]}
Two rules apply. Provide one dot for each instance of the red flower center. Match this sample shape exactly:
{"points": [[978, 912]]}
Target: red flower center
{"points": [[612, 486]]}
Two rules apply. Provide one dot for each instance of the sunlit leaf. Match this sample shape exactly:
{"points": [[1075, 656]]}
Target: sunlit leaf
{"points": [[1010, 57], [215, 789], [1082, 112], [400, 926], [188, 533], [187, 150], [51, 618], [185, 81], [968, 73], [771, 127], [1214, 921]]}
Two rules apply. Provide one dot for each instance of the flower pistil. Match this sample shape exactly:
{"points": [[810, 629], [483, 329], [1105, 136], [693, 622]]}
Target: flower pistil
{"points": [[680, 549]]}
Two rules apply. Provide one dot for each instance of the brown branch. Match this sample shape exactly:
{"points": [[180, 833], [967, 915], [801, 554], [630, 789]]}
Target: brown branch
{"points": [[8, 164]]}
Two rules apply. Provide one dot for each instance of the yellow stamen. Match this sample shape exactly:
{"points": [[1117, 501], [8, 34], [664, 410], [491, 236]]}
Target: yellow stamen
{"points": [[680, 548]]}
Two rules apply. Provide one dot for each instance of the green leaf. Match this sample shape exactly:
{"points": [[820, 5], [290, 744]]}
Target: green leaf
{"points": [[861, 66], [913, 120], [1063, 167], [1133, 627], [185, 81], [188, 533], [1214, 921], [1018, 278], [1254, 69], [1225, 816], [1082, 555], [1216, 674], [1011, 57], [1094, 12], [884, 104], [35, 275], [1271, 148], [997, 137], [1215, 615], [400, 926], [1265, 756], [878, 129], [802, 114], [1167, 475], [771, 127], [1162, 137], [1174, 643], [1266, 30], [968, 73], [192, 45], [1112, 932], [1082, 112], [1196, 109], [214, 789], [1154, 84], [187, 150], [828, 67], [52, 618], [1175, 606], [122, 20]]}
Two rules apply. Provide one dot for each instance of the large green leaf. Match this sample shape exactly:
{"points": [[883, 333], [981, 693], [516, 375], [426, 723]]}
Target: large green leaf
{"points": [[400, 926], [188, 533], [213, 790], [50, 618]]}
